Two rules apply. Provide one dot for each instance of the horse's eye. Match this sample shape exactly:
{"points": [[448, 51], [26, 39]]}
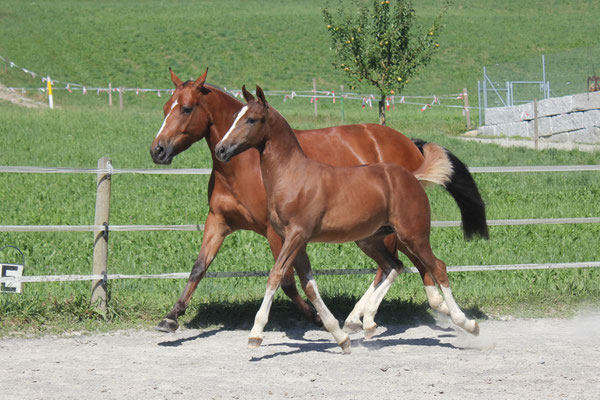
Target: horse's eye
{"points": [[186, 110], [251, 121]]}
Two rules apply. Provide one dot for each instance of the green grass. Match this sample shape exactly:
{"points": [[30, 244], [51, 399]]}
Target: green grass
{"points": [[282, 46]]}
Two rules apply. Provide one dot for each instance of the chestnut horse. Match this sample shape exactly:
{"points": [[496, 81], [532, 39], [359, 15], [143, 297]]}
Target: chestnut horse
{"points": [[236, 195], [308, 201]]}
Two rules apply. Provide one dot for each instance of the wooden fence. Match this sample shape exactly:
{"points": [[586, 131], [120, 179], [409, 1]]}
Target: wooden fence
{"points": [[102, 227]]}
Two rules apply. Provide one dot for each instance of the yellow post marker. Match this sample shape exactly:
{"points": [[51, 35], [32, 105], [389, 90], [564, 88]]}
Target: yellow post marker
{"points": [[50, 99]]}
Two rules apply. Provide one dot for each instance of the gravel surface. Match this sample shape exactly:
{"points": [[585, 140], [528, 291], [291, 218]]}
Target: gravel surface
{"points": [[542, 145], [513, 358]]}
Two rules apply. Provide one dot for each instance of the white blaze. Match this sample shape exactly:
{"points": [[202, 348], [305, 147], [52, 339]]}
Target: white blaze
{"points": [[239, 116], [167, 117]]}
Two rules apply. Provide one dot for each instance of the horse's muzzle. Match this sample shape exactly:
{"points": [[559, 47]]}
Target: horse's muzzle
{"points": [[162, 155]]}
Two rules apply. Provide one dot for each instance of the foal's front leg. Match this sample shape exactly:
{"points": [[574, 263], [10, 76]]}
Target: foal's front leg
{"points": [[291, 247], [309, 285], [288, 282]]}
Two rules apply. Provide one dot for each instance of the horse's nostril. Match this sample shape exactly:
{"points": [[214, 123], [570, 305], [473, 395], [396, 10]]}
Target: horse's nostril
{"points": [[159, 150]]}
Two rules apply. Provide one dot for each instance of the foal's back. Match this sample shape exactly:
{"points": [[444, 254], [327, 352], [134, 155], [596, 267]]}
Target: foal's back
{"points": [[349, 204]]}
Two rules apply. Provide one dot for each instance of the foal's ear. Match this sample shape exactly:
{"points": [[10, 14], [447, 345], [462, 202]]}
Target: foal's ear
{"points": [[261, 96], [247, 95], [199, 83], [176, 81]]}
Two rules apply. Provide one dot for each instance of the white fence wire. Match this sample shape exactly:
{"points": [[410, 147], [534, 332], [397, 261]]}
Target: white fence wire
{"points": [[199, 227]]}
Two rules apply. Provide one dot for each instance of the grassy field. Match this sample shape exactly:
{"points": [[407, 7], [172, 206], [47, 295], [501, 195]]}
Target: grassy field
{"points": [[282, 46]]}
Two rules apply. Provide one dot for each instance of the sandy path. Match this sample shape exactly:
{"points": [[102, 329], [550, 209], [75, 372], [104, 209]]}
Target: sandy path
{"points": [[525, 359]]}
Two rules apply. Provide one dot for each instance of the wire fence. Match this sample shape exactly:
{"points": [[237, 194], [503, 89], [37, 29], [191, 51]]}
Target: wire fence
{"points": [[109, 170]]}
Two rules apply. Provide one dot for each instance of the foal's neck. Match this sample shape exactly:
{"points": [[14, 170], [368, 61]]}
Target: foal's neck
{"points": [[281, 147]]}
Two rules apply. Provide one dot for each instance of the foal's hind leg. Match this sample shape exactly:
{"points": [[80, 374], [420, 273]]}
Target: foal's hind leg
{"points": [[436, 301], [422, 250]]}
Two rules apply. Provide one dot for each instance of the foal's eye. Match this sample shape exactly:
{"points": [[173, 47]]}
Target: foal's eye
{"points": [[186, 110], [251, 121]]}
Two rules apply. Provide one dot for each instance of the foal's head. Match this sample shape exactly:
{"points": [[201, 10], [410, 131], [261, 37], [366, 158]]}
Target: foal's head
{"points": [[185, 122], [247, 130]]}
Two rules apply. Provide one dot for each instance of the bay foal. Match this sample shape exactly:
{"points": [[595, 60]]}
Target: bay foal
{"points": [[308, 201]]}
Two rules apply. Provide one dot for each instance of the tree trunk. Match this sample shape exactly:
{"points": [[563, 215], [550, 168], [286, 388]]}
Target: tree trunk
{"points": [[382, 110]]}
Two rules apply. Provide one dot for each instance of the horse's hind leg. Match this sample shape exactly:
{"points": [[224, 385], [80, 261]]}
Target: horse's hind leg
{"points": [[421, 249], [390, 266], [353, 321], [215, 231]]}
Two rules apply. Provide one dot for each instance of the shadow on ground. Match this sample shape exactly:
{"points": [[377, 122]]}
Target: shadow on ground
{"points": [[284, 315]]}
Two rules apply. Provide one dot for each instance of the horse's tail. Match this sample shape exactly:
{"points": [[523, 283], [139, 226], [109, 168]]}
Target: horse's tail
{"points": [[443, 168]]}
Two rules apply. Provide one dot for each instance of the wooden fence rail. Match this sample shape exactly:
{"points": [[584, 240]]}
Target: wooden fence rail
{"points": [[102, 228]]}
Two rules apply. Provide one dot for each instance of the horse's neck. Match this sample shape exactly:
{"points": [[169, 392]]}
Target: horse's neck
{"points": [[282, 150], [222, 109]]}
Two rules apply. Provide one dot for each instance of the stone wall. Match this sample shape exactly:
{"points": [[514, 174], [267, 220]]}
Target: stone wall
{"points": [[573, 118]]}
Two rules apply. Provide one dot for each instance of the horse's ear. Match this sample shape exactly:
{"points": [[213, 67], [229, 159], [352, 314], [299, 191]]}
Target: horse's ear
{"points": [[247, 95], [261, 96], [200, 81], [176, 81]]}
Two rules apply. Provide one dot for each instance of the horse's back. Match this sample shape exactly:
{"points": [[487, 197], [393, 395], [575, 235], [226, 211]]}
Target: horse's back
{"points": [[351, 145]]}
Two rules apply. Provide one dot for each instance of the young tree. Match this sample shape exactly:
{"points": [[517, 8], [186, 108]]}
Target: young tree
{"points": [[379, 44]]}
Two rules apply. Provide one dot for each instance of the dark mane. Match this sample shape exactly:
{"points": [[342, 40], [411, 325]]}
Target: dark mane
{"points": [[211, 86]]}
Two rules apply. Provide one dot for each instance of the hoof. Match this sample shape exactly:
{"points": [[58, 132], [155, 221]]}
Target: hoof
{"points": [[473, 329], [352, 326], [346, 345], [167, 325], [253, 343], [370, 332]]}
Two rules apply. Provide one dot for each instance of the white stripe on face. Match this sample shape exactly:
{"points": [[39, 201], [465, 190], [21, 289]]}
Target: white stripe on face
{"points": [[165, 121], [239, 116]]}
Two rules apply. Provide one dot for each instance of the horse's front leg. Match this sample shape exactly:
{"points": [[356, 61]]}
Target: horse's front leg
{"points": [[215, 231], [291, 245], [288, 283]]}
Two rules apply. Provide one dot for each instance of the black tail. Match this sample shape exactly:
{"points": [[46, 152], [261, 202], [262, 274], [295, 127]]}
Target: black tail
{"points": [[463, 189]]}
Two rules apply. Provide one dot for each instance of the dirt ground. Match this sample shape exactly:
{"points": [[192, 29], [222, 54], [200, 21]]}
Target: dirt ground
{"points": [[16, 98], [513, 358]]}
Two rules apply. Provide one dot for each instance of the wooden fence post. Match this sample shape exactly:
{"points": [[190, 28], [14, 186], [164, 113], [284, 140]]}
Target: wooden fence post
{"points": [[121, 98], [315, 94], [536, 133], [467, 110], [109, 94], [99, 266]]}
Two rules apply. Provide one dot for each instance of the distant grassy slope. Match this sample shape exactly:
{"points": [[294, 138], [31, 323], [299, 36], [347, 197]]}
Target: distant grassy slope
{"points": [[281, 44]]}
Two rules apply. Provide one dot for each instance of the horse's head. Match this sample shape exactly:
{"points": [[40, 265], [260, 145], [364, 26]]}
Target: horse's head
{"points": [[185, 121], [247, 131]]}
